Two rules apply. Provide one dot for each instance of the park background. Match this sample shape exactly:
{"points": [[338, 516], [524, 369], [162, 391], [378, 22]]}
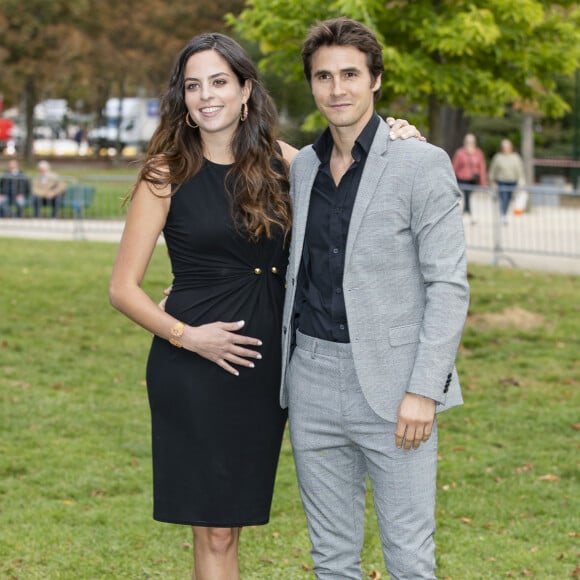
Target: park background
{"points": [[75, 479]]}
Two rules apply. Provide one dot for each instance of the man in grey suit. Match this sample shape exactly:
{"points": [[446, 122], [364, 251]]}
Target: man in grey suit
{"points": [[376, 301]]}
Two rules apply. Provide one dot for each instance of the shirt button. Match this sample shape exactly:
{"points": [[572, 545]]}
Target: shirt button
{"points": [[335, 250], [338, 290], [341, 326]]}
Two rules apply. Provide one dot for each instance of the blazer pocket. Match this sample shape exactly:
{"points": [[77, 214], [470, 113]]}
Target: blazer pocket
{"points": [[407, 334]]}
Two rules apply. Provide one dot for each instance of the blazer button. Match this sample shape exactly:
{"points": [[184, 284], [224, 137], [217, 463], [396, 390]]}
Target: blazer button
{"points": [[274, 270], [257, 271]]}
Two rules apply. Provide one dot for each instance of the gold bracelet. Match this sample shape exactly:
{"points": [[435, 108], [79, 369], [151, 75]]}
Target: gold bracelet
{"points": [[176, 334]]}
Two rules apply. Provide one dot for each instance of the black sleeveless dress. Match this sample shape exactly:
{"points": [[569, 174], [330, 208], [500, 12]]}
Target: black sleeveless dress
{"points": [[216, 437]]}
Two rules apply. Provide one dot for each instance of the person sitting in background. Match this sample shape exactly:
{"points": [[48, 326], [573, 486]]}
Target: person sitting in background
{"points": [[469, 168], [47, 190], [14, 190], [507, 172]]}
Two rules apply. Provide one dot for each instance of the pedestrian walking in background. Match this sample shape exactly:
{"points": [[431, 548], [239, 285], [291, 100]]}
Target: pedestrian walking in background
{"points": [[469, 168], [506, 171]]}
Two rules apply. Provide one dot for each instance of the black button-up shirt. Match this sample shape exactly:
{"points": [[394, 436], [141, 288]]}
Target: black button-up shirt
{"points": [[320, 308]]}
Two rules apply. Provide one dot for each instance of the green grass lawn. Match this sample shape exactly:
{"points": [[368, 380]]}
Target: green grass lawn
{"points": [[75, 475]]}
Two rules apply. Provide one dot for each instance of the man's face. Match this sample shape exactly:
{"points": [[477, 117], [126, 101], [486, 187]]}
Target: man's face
{"points": [[342, 86]]}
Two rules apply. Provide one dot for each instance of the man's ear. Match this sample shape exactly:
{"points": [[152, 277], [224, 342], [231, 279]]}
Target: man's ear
{"points": [[377, 83]]}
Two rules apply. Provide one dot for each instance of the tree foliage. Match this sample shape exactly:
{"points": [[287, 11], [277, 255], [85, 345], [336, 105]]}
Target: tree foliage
{"points": [[471, 54], [88, 50]]}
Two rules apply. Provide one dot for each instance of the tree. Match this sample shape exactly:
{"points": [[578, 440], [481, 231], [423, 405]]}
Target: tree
{"points": [[38, 49], [90, 50], [473, 55]]}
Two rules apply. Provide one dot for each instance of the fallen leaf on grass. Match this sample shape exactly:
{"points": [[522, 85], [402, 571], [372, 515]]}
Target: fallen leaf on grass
{"points": [[98, 493], [275, 535], [509, 382], [574, 534], [575, 426], [266, 560], [527, 573], [524, 468], [68, 502], [306, 567], [186, 545], [549, 477], [465, 520], [458, 448], [375, 575], [575, 573]]}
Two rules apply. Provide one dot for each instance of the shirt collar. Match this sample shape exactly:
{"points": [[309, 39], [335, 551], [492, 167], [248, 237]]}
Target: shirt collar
{"points": [[324, 144]]}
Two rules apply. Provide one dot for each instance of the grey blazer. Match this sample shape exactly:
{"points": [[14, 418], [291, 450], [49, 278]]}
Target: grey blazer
{"points": [[405, 280]]}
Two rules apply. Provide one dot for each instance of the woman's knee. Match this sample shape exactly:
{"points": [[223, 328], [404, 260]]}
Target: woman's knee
{"points": [[216, 540]]}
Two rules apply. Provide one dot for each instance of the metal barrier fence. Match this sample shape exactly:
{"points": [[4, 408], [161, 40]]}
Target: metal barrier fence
{"points": [[541, 220], [549, 224], [90, 208]]}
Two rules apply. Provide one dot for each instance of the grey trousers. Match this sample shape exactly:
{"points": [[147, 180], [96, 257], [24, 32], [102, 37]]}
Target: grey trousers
{"points": [[338, 441]]}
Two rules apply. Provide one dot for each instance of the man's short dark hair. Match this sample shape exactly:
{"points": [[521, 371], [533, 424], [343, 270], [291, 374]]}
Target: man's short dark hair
{"points": [[344, 32]]}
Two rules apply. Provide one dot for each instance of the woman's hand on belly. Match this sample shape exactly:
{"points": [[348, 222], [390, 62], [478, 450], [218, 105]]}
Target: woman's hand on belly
{"points": [[219, 343]]}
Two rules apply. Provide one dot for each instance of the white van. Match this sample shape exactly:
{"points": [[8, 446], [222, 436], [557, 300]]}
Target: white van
{"points": [[130, 122]]}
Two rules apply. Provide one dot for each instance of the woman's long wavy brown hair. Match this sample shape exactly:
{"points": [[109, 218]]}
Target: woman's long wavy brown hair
{"points": [[258, 181]]}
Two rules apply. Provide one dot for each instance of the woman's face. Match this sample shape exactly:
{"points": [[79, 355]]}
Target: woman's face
{"points": [[213, 95], [506, 147]]}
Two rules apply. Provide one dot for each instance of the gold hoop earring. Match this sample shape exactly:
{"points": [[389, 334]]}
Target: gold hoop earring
{"points": [[188, 123], [244, 112]]}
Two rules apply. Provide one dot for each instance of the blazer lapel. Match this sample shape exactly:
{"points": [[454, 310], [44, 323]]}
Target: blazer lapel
{"points": [[301, 203], [374, 167]]}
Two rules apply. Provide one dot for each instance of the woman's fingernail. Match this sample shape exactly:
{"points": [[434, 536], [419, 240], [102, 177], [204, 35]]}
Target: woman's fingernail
{"points": [[259, 343], [241, 323], [251, 365], [392, 135], [259, 356]]}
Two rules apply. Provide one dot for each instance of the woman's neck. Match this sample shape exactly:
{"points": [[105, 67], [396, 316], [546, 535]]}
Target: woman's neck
{"points": [[217, 148]]}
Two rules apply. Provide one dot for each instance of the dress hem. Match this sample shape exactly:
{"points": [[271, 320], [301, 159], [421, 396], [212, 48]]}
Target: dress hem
{"points": [[205, 524]]}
